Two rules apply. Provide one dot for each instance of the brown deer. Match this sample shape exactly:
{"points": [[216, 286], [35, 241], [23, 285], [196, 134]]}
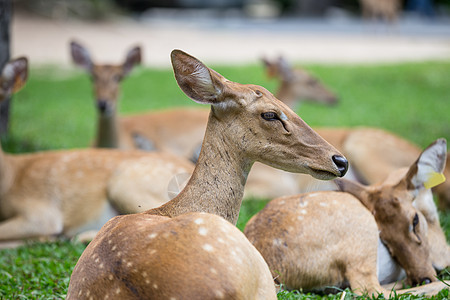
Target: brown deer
{"points": [[66, 192], [179, 131], [173, 251], [362, 236], [297, 84], [387, 10]]}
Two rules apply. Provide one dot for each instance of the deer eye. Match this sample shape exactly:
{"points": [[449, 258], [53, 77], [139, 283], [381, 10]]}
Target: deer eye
{"points": [[258, 93], [415, 221], [269, 116]]}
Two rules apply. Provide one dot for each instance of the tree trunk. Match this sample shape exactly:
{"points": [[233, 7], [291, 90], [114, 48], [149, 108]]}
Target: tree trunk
{"points": [[5, 21]]}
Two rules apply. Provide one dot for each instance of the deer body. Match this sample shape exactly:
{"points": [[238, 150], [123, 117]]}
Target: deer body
{"points": [[246, 124], [66, 192], [329, 238]]}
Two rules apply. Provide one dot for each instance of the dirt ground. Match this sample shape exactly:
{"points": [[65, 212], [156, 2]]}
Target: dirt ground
{"points": [[231, 41]]}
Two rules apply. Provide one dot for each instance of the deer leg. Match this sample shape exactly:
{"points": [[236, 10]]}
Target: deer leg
{"points": [[42, 221]]}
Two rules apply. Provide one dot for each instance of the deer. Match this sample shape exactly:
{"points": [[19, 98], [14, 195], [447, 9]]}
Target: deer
{"points": [[387, 10], [147, 131], [67, 192], [296, 84], [361, 236], [167, 251]]}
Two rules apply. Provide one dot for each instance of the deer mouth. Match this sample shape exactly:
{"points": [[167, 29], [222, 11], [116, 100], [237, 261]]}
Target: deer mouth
{"points": [[322, 174]]}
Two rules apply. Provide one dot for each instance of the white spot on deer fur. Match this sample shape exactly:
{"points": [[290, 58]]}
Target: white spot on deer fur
{"points": [[300, 218], [117, 291], [80, 293], [277, 242], [97, 260], [153, 251], [323, 204], [144, 274], [101, 266], [282, 202], [114, 248], [203, 231], [110, 277], [119, 253], [153, 235], [147, 281], [303, 204], [219, 294], [110, 242], [155, 286], [199, 221], [220, 240], [208, 248], [214, 271], [129, 264], [173, 298], [303, 211]]}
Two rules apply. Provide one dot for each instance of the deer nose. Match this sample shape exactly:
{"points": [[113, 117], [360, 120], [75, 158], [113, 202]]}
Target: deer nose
{"points": [[341, 163], [102, 104]]}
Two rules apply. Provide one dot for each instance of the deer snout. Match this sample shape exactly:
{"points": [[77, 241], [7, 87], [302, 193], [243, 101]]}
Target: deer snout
{"points": [[341, 163], [102, 105]]}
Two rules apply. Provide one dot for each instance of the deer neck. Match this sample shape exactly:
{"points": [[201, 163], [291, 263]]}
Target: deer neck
{"points": [[286, 93], [107, 132], [217, 183], [7, 173]]}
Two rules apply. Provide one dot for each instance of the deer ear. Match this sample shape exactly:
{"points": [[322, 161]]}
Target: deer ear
{"points": [[197, 81], [426, 172], [15, 74], [80, 56], [356, 189], [134, 57]]}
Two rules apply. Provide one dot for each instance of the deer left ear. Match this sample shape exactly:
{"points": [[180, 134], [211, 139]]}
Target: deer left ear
{"points": [[426, 172], [134, 58], [15, 74], [197, 81]]}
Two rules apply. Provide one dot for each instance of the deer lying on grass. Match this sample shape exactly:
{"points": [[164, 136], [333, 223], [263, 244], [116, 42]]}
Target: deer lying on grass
{"points": [[175, 251], [66, 192], [297, 84], [362, 236]]}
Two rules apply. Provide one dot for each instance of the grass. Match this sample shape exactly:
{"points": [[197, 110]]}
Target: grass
{"points": [[55, 111]]}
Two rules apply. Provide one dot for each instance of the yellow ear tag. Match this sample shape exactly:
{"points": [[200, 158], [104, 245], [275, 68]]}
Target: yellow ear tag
{"points": [[434, 180]]}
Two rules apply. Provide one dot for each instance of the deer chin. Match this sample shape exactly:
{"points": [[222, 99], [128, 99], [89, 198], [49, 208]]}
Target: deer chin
{"points": [[322, 174]]}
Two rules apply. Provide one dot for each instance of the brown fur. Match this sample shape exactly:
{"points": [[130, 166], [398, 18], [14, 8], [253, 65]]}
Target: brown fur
{"points": [[236, 136]]}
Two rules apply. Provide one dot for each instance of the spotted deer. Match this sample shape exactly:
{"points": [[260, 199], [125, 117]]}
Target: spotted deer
{"points": [[52, 193], [181, 249], [363, 236]]}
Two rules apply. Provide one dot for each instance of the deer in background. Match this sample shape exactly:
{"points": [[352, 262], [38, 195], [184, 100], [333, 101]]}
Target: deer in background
{"points": [[179, 131], [66, 192], [363, 235], [177, 251], [387, 10], [296, 84]]}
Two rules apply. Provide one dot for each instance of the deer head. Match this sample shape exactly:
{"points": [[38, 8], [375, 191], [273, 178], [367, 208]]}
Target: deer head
{"points": [[13, 77], [403, 228], [270, 131], [106, 78], [297, 84]]}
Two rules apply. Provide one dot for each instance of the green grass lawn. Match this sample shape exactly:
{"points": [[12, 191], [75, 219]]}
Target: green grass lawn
{"points": [[55, 110]]}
